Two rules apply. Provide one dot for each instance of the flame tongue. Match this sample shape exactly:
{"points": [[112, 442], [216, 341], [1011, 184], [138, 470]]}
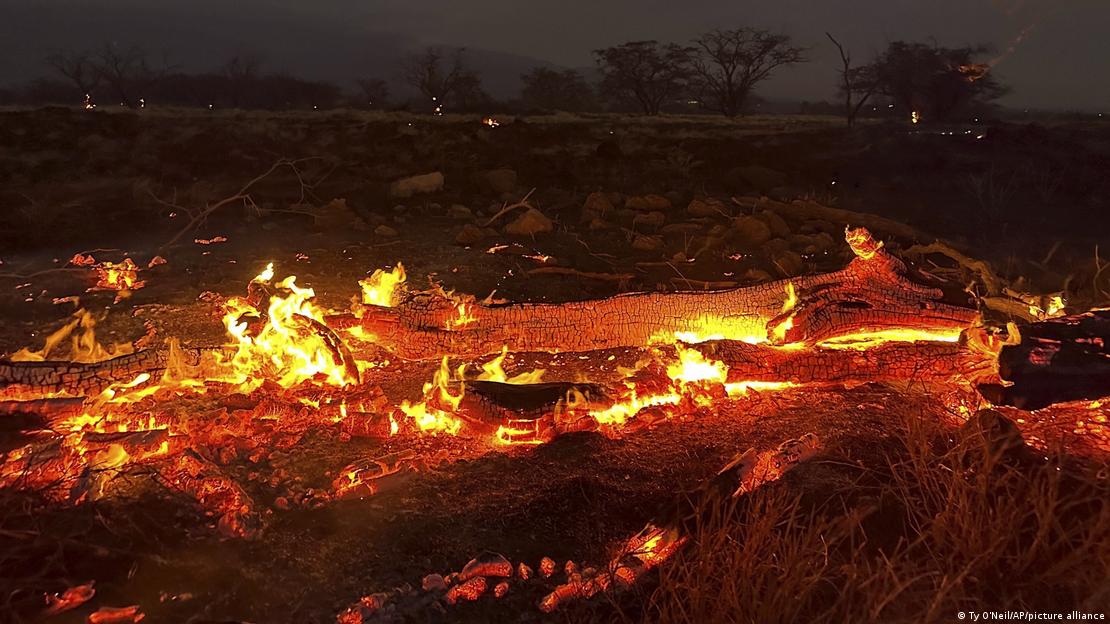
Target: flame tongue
{"points": [[292, 345]]}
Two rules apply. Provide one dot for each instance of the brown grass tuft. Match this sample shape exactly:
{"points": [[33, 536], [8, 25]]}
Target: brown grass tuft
{"points": [[936, 526]]}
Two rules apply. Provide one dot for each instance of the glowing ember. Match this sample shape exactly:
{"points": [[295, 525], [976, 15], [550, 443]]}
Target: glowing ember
{"points": [[123, 276]]}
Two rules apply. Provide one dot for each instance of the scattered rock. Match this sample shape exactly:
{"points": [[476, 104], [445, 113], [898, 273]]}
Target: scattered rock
{"points": [[802, 243], [600, 224], [407, 187], [647, 243], [597, 205], [385, 231], [434, 582], [530, 223], [777, 224], [708, 207], [469, 235], [651, 219], [719, 230], [788, 263], [756, 275], [459, 211], [751, 232], [648, 203], [336, 214], [681, 228], [775, 245], [498, 180], [824, 242], [820, 225]]}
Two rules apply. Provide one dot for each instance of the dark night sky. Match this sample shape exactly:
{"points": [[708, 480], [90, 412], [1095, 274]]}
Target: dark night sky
{"points": [[1063, 62]]}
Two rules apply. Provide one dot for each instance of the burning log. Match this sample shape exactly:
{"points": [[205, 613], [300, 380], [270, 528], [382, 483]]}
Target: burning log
{"points": [[939, 362], [52, 378], [56, 408], [871, 295], [525, 413]]}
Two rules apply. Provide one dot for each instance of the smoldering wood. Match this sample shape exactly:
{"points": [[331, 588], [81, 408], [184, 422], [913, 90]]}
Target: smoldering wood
{"points": [[1058, 360], [873, 293]]}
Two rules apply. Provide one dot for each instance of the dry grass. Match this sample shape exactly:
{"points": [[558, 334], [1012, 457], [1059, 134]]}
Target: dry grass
{"points": [[935, 527]]}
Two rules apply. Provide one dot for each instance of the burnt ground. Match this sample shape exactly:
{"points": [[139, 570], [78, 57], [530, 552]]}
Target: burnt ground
{"points": [[1030, 199]]}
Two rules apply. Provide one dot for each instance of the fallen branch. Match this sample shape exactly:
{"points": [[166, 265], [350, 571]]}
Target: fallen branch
{"points": [[242, 195], [872, 294], [605, 277], [523, 203]]}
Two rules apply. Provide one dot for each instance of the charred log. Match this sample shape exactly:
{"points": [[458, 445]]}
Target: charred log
{"points": [[934, 362], [872, 294], [80, 379], [1059, 360]]}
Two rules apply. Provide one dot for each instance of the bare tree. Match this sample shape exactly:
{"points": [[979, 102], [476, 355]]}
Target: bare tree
{"points": [[128, 71], [241, 72], [563, 90], [857, 84], [646, 73], [374, 91], [936, 83], [729, 64], [438, 78], [78, 68]]}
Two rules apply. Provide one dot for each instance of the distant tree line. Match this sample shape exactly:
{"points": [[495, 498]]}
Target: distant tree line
{"points": [[718, 72]]}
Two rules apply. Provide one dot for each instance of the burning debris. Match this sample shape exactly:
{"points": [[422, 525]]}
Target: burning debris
{"points": [[291, 368], [492, 575]]}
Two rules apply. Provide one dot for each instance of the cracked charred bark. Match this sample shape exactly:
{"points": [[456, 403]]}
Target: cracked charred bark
{"points": [[872, 294]]}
